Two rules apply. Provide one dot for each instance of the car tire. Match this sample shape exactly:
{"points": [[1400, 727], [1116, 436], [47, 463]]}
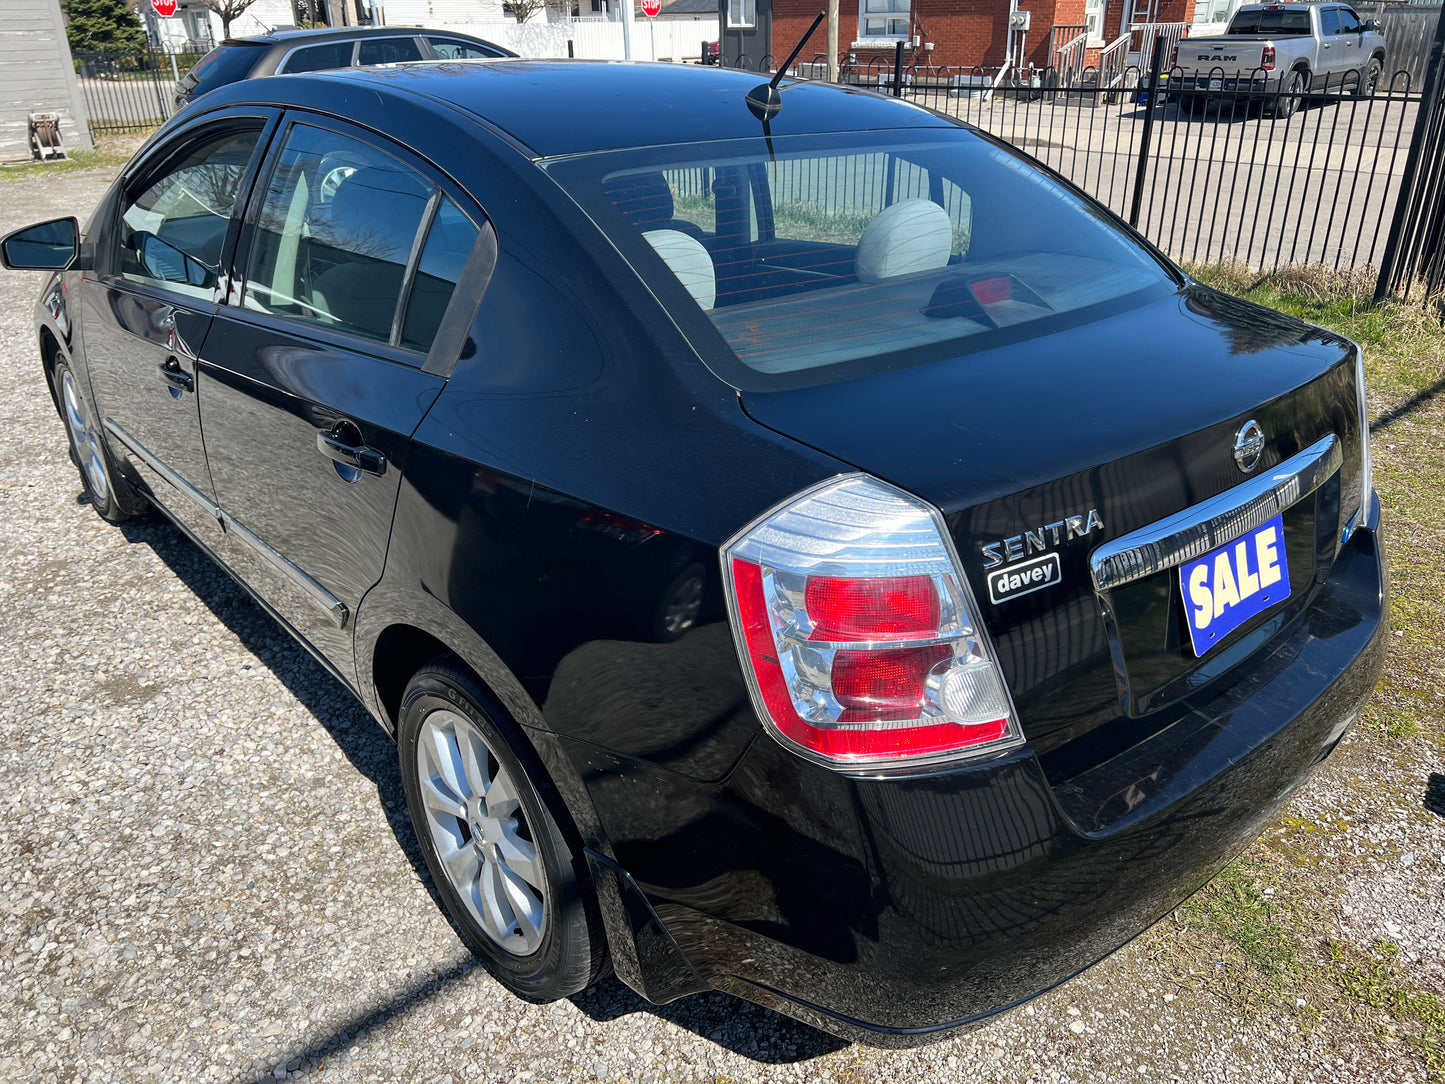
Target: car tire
{"points": [[679, 604], [1370, 80], [1291, 96], [1193, 104], [112, 497], [490, 828]]}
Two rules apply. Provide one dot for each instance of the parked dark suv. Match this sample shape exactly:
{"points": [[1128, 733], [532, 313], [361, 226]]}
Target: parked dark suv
{"points": [[761, 516], [286, 52]]}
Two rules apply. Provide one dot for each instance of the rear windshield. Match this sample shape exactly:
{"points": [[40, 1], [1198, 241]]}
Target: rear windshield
{"points": [[818, 257], [224, 64], [1275, 23]]}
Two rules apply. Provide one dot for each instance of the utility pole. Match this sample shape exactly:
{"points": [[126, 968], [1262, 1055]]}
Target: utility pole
{"points": [[627, 29], [832, 41]]}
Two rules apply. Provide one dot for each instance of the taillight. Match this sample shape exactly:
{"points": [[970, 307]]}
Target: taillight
{"points": [[1266, 59], [1174, 57], [858, 633]]}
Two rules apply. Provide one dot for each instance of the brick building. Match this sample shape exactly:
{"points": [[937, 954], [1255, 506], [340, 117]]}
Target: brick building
{"points": [[962, 32]]}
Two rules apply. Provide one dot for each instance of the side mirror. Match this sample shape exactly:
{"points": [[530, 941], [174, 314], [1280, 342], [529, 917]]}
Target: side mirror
{"points": [[47, 246], [1370, 26]]}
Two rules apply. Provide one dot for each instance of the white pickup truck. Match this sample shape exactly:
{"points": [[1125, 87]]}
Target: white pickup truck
{"points": [[1278, 52]]}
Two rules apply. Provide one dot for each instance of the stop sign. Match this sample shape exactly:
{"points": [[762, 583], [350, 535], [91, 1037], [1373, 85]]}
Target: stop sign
{"points": [[649, 7], [164, 8]]}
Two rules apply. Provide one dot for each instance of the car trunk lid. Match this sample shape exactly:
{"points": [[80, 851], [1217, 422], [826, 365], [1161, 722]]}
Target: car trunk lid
{"points": [[1041, 452]]}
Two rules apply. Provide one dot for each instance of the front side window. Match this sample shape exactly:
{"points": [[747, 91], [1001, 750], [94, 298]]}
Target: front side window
{"points": [[1349, 21], [173, 231], [806, 259], [337, 239], [883, 19], [1329, 22]]}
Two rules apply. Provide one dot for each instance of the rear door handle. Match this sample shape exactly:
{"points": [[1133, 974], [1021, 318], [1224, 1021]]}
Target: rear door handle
{"points": [[179, 380], [358, 457]]}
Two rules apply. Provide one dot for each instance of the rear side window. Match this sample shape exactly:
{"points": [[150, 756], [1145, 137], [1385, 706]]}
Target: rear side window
{"points": [[222, 65], [452, 49], [807, 257], [1273, 22], [316, 58], [338, 242], [387, 51]]}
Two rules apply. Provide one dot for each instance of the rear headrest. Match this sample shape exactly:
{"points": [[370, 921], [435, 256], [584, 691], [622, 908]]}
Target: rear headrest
{"points": [[643, 198], [376, 213], [689, 261], [908, 237]]}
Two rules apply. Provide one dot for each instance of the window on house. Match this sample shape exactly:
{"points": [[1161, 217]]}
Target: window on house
{"points": [[742, 12], [1094, 20], [883, 18]]}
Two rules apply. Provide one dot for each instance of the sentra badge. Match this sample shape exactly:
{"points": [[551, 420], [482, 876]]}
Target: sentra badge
{"points": [[1041, 540]]}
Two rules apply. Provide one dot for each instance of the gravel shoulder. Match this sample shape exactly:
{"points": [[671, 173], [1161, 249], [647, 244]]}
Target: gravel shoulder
{"points": [[206, 871]]}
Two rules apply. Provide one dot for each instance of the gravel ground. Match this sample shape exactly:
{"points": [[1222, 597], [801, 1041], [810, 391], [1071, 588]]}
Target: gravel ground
{"points": [[206, 871]]}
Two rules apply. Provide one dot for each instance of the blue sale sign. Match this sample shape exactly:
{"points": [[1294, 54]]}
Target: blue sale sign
{"points": [[1229, 585]]}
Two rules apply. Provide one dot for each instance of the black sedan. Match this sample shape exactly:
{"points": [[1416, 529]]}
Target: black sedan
{"points": [[767, 520]]}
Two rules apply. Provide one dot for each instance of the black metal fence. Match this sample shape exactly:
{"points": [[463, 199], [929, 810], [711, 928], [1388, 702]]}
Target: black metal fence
{"points": [[130, 91], [1267, 171]]}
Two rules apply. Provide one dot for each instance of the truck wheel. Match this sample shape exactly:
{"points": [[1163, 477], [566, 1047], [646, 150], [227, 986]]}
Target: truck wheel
{"points": [[1193, 104], [1368, 83], [1290, 97]]}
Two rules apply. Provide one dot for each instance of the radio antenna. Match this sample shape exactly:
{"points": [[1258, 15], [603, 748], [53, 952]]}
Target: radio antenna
{"points": [[764, 99]]}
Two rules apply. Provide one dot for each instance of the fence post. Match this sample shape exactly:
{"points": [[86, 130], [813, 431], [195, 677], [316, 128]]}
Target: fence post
{"points": [[1153, 100], [1430, 104], [898, 69]]}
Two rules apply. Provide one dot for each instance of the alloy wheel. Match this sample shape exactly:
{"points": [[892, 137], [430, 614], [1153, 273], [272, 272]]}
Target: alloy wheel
{"points": [[476, 821]]}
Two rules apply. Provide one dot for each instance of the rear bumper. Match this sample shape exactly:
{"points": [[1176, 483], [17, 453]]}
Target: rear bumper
{"points": [[896, 911]]}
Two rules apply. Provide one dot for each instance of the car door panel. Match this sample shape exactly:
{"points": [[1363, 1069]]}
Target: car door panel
{"points": [[147, 309], [308, 399], [308, 532]]}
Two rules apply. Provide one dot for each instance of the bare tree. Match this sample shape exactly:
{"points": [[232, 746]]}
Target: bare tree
{"points": [[228, 11], [523, 10]]}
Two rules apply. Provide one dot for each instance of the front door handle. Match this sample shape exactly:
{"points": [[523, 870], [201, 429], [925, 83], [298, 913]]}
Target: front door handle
{"points": [[356, 456], [179, 380]]}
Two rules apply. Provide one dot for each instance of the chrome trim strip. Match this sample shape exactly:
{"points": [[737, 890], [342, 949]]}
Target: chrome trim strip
{"points": [[1195, 531], [332, 606], [140, 451]]}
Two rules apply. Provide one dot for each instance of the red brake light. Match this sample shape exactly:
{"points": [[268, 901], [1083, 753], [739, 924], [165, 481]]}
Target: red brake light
{"points": [[884, 608], [1266, 60], [849, 663], [991, 291]]}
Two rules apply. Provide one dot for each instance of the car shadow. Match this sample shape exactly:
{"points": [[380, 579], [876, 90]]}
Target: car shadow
{"points": [[1434, 799], [741, 1027]]}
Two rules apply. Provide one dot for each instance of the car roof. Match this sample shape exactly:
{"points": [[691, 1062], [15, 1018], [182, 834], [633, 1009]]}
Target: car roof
{"points": [[341, 33], [561, 107]]}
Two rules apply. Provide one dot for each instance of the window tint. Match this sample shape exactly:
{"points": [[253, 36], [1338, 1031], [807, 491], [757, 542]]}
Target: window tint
{"points": [[173, 231], [223, 64], [1273, 22], [335, 234], [315, 58], [387, 51], [448, 244], [816, 253], [451, 49], [1349, 21]]}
